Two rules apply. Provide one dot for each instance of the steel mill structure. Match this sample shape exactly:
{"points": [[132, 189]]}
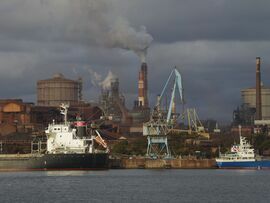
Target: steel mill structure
{"points": [[57, 90], [255, 102], [113, 103]]}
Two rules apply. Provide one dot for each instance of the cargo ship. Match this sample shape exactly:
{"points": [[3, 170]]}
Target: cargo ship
{"points": [[242, 156], [69, 146]]}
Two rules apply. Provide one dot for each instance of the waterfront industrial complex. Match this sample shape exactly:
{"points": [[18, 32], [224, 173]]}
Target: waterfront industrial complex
{"points": [[166, 135]]}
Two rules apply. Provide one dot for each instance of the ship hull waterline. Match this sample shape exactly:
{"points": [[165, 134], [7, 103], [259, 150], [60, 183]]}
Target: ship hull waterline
{"points": [[54, 162], [263, 164]]}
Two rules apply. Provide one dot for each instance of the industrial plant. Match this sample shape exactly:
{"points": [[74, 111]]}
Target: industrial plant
{"points": [[169, 128], [254, 112]]}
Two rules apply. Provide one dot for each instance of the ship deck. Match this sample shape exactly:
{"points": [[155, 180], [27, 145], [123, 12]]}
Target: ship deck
{"points": [[19, 156]]}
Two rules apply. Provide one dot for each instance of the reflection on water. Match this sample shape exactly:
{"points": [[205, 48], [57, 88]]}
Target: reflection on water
{"points": [[74, 173], [66, 173]]}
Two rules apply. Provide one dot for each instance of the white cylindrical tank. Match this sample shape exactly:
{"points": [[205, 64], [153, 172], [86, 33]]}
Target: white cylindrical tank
{"points": [[249, 99]]}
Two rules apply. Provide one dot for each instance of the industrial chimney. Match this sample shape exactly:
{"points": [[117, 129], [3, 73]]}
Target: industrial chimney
{"points": [[143, 86], [258, 90]]}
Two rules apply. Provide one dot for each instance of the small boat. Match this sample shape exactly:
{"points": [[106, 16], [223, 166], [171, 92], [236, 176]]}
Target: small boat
{"points": [[242, 155]]}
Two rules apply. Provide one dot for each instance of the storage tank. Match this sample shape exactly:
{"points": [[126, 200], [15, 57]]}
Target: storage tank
{"points": [[57, 90], [249, 98]]}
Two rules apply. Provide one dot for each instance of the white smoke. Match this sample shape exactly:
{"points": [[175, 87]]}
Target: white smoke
{"points": [[106, 83], [97, 22], [94, 76], [122, 35], [74, 70]]}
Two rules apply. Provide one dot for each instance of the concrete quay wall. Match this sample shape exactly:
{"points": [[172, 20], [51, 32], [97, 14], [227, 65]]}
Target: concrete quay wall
{"points": [[141, 163]]}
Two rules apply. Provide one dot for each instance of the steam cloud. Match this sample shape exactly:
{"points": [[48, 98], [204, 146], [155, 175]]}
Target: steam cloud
{"points": [[94, 76], [102, 26], [106, 83], [122, 35], [96, 79]]}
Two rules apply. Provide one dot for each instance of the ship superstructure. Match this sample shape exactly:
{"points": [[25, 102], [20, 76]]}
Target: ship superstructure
{"points": [[62, 138]]}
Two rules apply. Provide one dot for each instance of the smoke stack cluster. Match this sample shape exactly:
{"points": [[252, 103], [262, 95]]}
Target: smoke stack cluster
{"points": [[258, 90], [143, 86]]}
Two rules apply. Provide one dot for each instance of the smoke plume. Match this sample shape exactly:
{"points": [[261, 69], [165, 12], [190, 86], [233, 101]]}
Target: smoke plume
{"points": [[94, 76], [97, 22], [106, 83], [122, 35]]}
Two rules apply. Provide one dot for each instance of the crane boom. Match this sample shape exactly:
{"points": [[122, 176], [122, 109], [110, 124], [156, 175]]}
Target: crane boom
{"points": [[177, 85]]}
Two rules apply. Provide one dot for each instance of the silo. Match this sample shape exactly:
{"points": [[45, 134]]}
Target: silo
{"points": [[249, 99], [57, 90]]}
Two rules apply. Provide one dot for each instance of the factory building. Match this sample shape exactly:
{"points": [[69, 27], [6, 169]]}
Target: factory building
{"points": [[23, 117], [249, 100], [255, 102], [14, 114], [112, 102], [57, 90]]}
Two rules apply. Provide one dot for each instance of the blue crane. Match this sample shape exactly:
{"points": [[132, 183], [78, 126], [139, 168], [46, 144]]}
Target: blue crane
{"points": [[160, 123], [177, 85]]}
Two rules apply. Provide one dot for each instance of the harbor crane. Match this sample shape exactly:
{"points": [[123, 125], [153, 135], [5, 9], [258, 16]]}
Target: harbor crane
{"points": [[163, 120], [194, 123]]}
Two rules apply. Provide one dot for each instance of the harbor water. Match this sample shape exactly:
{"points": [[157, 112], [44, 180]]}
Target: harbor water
{"points": [[136, 186]]}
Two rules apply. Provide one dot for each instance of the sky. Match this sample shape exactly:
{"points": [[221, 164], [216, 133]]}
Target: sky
{"points": [[213, 43]]}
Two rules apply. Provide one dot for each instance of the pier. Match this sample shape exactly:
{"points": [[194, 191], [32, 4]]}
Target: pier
{"points": [[144, 163]]}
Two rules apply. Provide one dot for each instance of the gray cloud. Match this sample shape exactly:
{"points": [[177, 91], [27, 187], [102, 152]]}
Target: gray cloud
{"points": [[203, 20], [213, 43]]}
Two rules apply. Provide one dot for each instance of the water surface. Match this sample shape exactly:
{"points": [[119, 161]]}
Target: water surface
{"points": [[136, 186]]}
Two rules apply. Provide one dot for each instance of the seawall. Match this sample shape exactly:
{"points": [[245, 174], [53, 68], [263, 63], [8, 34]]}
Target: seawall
{"points": [[143, 163]]}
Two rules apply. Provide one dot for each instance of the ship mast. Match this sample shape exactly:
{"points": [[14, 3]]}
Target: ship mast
{"points": [[64, 111]]}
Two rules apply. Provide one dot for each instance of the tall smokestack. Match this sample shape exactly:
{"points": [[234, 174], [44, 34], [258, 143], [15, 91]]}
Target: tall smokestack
{"points": [[258, 90], [143, 86]]}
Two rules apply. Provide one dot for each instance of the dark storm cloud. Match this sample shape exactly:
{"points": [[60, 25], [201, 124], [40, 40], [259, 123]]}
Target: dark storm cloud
{"points": [[212, 42], [204, 20], [213, 72]]}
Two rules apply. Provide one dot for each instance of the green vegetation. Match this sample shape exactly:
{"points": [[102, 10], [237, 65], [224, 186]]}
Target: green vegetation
{"points": [[130, 147], [261, 143], [183, 145], [120, 147]]}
